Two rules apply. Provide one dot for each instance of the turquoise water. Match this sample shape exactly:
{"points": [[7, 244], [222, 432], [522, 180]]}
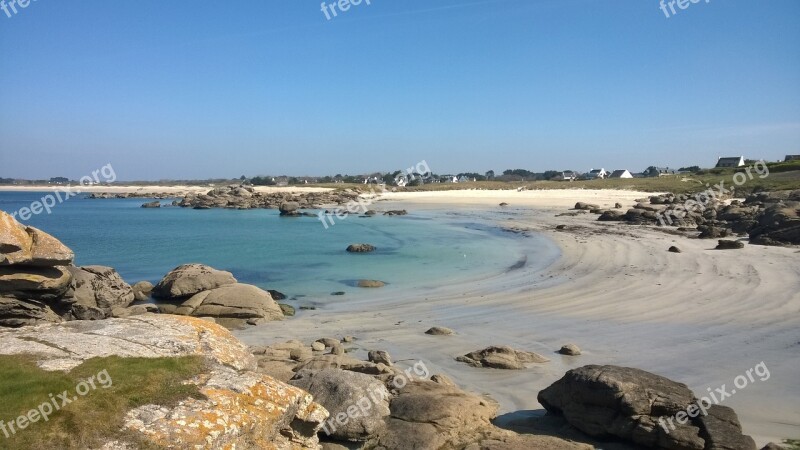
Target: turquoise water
{"points": [[297, 256]]}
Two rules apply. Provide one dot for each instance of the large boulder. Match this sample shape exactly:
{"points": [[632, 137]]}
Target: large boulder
{"points": [[97, 288], [501, 357], [239, 408], [779, 225], [23, 245], [357, 403], [617, 402], [142, 291], [235, 301], [189, 279], [360, 248]]}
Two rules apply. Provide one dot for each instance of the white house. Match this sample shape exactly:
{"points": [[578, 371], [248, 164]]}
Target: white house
{"points": [[622, 173], [597, 174], [566, 175], [730, 161]]}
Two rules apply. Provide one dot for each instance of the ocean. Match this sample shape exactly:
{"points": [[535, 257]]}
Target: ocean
{"points": [[296, 256]]}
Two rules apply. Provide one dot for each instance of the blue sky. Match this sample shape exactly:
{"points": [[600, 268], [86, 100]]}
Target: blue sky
{"points": [[197, 89]]}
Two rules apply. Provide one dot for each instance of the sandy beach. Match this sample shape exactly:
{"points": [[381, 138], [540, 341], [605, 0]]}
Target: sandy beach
{"points": [[701, 317]]}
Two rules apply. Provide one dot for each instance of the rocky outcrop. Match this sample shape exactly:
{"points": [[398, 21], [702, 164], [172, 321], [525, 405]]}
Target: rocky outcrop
{"points": [[633, 405], [246, 197], [21, 245], [370, 284], [142, 291], [240, 408], [190, 279], [501, 357], [586, 206]]}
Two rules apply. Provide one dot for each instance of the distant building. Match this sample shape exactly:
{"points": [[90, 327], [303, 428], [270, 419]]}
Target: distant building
{"points": [[792, 158], [653, 171], [623, 173], [595, 174], [730, 161], [566, 175]]}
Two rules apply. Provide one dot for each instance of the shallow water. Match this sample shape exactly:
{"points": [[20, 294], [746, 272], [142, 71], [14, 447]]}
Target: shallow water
{"points": [[297, 256]]}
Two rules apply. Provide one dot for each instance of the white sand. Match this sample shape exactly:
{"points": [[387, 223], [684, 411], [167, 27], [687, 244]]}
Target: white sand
{"points": [[701, 317]]}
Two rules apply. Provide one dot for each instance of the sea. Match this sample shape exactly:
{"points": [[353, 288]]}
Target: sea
{"points": [[296, 256]]}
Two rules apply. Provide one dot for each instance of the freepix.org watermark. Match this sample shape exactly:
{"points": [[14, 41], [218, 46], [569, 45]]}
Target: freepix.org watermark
{"points": [[717, 191], [55, 404], [419, 171], [329, 9], [669, 6], [10, 7], [364, 405], [64, 193], [715, 397]]}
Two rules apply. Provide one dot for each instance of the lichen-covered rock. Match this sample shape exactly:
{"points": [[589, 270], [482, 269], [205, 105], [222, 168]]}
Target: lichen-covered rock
{"points": [[189, 279], [37, 283], [241, 408]]}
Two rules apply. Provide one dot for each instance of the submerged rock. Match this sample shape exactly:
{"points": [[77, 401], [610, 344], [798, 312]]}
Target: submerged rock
{"points": [[371, 284], [360, 248]]}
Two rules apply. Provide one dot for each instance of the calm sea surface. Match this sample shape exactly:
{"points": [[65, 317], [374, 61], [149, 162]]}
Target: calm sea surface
{"points": [[297, 256]]}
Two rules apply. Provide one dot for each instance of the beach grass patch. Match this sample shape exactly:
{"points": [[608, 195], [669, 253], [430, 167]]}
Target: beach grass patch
{"points": [[93, 411]]}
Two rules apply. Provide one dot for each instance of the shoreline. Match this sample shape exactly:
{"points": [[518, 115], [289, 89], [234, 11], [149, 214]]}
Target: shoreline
{"points": [[701, 317]]}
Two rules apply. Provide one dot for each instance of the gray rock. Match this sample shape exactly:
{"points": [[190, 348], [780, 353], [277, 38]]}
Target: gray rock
{"points": [[34, 283], [570, 350], [98, 287], [142, 291], [501, 357], [586, 206], [234, 301], [17, 313], [439, 331], [379, 356], [360, 248], [357, 403], [189, 279], [724, 244], [370, 284]]}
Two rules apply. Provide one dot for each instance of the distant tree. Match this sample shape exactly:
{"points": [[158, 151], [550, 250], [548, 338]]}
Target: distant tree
{"points": [[294, 180], [59, 180], [242, 177], [490, 175], [692, 169], [550, 174], [473, 176], [522, 173], [262, 181]]}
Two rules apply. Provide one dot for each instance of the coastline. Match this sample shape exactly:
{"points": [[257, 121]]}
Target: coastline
{"points": [[701, 317]]}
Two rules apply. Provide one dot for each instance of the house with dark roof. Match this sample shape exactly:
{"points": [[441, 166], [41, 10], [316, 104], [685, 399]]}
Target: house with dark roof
{"points": [[730, 161], [654, 171], [621, 173], [596, 174], [792, 158]]}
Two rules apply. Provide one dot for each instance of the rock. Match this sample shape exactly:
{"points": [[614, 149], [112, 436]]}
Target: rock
{"points": [[712, 232], [503, 204], [773, 446], [370, 284], [439, 331], [337, 350], [729, 245], [501, 357], [561, 227], [674, 249], [428, 415], [238, 406], [17, 313], [399, 212], [36, 283], [100, 288], [586, 206], [142, 291], [234, 301], [288, 310], [360, 248], [379, 356], [154, 204], [189, 279], [329, 342], [277, 296], [338, 293], [633, 405], [289, 209], [357, 403], [611, 216], [570, 350], [721, 430], [136, 310], [318, 346], [779, 224], [348, 339], [29, 246], [617, 205]]}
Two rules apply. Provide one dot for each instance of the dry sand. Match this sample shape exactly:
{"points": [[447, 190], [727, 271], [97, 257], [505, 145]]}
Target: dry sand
{"points": [[701, 317]]}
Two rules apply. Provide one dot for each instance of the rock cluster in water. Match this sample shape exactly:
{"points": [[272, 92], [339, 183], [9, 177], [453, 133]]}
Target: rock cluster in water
{"points": [[245, 197]]}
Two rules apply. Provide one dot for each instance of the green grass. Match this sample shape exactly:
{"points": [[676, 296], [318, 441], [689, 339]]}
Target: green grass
{"points": [[98, 414], [792, 444]]}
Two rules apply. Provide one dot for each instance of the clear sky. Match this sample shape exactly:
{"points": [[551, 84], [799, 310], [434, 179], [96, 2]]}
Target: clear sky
{"points": [[198, 89]]}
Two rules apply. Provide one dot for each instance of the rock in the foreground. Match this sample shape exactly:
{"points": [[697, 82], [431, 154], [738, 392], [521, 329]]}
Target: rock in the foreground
{"points": [[724, 244], [501, 357], [240, 408], [617, 402]]}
